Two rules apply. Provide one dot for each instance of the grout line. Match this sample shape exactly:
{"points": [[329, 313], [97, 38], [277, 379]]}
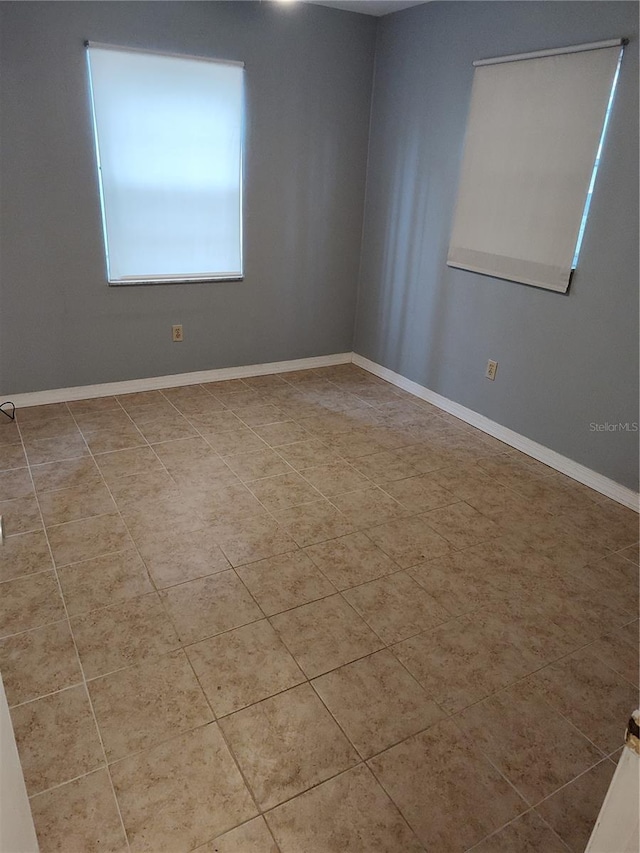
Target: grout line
{"points": [[78, 659], [184, 647]]}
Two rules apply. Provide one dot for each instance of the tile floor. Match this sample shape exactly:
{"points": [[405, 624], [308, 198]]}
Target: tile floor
{"points": [[307, 613]]}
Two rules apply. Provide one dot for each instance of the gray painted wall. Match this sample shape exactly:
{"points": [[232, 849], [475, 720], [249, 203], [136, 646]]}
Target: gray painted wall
{"points": [[309, 73], [566, 361]]}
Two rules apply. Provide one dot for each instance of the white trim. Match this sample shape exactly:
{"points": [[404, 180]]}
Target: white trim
{"points": [[554, 51], [153, 383], [598, 482]]}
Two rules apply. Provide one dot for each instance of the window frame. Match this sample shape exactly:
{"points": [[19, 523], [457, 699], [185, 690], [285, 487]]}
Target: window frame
{"points": [[170, 278]]}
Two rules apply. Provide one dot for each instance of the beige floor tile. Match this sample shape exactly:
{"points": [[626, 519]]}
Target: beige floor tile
{"points": [[573, 810], [350, 560], [144, 487], [286, 744], [44, 450], [396, 607], [207, 606], [536, 749], [526, 834], [12, 457], [367, 507], [251, 837], [37, 662], [384, 467], [224, 502], [461, 525], [314, 522], [616, 579], [336, 478], [590, 695], [103, 581], [9, 432], [454, 582], [145, 704], [51, 428], [15, 484], [283, 491], [96, 404], [20, 515], [257, 464], [325, 634], [282, 432], [57, 738], [125, 463], [114, 418], [90, 537], [611, 524], [216, 422], [253, 539], [436, 777], [307, 454], [29, 602], [76, 503], [355, 444], [259, 414], [172, 558], [119, 438], [376, 702], [409, 541], [40, 414], [348, 814], [243, 666], [69, 474], [123, 634], [24, 554], [79, 817], [631, 553], [419, 494], [618, 649], [286, 581], [240, 440], [242, 399], [181, 793], [167, 429], [464, 660]]}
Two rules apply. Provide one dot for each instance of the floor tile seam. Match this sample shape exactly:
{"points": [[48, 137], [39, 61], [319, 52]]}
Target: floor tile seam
{"points": [[532, 804], [77, 654], [496, 832]]}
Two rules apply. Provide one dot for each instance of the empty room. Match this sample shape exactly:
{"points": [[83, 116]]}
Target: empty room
{"points": [[319, 361]]}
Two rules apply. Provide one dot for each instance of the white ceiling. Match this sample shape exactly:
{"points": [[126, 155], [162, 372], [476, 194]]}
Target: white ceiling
{"points": [[369, 7]]}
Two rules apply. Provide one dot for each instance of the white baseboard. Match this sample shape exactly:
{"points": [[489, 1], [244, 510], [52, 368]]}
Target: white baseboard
{"points": [[598, 482], [153, 383], [554, 460]]}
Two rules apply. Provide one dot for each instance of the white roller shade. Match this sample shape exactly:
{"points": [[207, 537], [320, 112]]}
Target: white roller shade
{"points": [[169, 145], [532, 137]]}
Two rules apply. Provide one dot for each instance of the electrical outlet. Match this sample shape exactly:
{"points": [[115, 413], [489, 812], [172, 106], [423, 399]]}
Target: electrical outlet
{"points": [[176, 334], [492, 369]]}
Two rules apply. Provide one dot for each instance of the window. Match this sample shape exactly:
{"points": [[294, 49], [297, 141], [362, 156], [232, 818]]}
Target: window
{"points": [[534, 140], [168, 133]]}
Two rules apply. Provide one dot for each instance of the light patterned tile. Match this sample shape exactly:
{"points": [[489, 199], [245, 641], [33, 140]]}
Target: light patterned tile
{"points": [[376, 702], [37, 662], [181, 793], [24, 554], [314, 746], [348, 814], [243, 666], [350, 560], [441, 767], [285, 581], [325, 634], [145, 704], [57, 738], [79, 816], [207, 606]]}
